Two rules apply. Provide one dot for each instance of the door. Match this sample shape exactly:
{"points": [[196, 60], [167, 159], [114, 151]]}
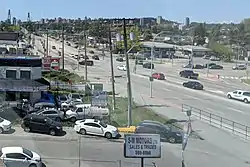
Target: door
{"points": [[234, 94], [40, 125], [94, 128], [50, 114], [80, 113], [16, 159], [239, 95]]}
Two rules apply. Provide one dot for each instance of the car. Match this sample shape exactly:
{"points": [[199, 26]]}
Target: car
{"points": [[148, 65], [167, 134], [120, 59], [193, 85], [40, 123], [62, 98], [42, 105], [95, 57], [53, 47], [198, 66], [187, 66], [159, 76], [214, 58], [91, 52], [206, 57], [53, 114], [83, 57], [75, 97], [96, 127], [216, 67], [239, 67], [5, 125], [139, 62], [19, 156], [208, 65], [122, 68], [239, 95], [88, 62]]}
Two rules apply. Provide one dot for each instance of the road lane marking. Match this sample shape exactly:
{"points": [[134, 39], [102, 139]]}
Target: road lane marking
{"points": [[214, 111], [192, 97], [237, 110], [169, 90], [215, 91]]}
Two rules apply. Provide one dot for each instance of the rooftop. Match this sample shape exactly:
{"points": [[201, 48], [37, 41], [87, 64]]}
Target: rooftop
{"points": [[9, 36], [158, 45], [195, 48]]}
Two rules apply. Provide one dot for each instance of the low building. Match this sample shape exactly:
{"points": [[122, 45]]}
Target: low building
{"points": [[198, 51], [21, 78]]}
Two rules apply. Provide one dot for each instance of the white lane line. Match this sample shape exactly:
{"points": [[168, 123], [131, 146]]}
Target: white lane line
{"points": [[237, 110], [214, 111], [192, 97], [169, 90], [215, 91]]}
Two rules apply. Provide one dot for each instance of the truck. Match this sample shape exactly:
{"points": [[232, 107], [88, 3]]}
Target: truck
{"points": [[86, 111], [189, 74]]}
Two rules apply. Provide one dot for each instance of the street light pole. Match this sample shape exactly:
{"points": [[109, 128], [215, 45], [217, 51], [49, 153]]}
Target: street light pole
{"points": [[128, 74], [85, 57], [63, 47], [112, 69]]}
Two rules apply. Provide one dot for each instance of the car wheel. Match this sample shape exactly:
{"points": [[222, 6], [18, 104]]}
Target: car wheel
{"points": [[229, 96], [73, 119], [52, 132], [82, 131], [108, 135], [58, 119], [171, 140], [245, 101], [32, 165], [27, 129], [1, 130]]}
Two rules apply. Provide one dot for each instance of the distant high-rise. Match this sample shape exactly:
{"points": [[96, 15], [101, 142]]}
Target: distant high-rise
{"points": [[9, 17], [28, 17], [14, 21], [142, 22], [187, 22], [159, 20]]}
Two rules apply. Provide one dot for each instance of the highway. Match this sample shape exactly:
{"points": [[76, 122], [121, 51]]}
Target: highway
{"points": [[170, 94]]}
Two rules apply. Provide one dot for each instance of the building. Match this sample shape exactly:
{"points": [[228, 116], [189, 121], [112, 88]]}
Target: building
{"points": [[159, 20], [21, 78], [142, 22], [9, 38], [187, 22]]}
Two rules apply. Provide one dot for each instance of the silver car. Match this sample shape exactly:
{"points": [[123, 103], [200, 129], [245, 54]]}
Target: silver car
{"points": [[52, 114], [240, 67]]}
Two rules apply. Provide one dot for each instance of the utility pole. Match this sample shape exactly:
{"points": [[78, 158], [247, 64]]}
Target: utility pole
{"points": [[85, 53], [128, 74], [112, 68], [47, 43], [63, 47]]}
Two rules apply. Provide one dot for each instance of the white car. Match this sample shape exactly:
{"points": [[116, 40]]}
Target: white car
{"points": [[96, 127], [5, 125], [21, 157], [75, 97], [239, 95], [122, 67]]}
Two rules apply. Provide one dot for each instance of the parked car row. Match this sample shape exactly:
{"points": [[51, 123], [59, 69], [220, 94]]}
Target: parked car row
{"points": [[200, 66]]}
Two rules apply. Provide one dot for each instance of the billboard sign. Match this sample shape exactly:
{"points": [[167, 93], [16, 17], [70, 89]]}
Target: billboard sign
{"points": [[142, 146], [51, 63]]}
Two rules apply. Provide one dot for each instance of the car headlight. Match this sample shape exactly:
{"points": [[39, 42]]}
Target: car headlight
{"points": [[58, 127]]}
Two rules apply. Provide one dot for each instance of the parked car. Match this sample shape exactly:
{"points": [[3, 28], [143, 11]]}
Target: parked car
{"points": [[95, 57], [40, 123], [214, 58], [53, 114], [19, 156], [216, 67], [166, 133], [96, 127], [122, 67], [240, 67], [159, 76], [5, 125], [209, 64], [148, 65], [239, 95], [88, 62], [189, 74], [193, 85], [75, 97], [62, 98], [198, 66], [42, 105], [119, 59]]}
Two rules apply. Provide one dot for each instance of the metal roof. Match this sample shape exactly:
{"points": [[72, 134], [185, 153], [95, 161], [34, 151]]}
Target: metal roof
{"points": [[195, 48], [158, 45]]}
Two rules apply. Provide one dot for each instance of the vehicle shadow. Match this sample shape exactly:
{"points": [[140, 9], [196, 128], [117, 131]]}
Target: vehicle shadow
{"points": [[11, 131]]}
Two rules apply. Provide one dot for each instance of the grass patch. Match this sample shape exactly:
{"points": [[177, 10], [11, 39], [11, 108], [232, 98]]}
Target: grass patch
{"points": [[246, 81], [139, 113]]}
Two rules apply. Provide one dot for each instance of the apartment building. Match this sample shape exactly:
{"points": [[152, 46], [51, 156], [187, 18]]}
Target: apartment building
{"points": [[21, 78]]}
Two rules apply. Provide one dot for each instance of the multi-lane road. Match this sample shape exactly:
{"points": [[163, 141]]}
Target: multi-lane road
{"points": [[214, 151]]}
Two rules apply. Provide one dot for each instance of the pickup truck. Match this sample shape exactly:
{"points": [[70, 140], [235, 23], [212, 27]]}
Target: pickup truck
{"points": [[189, 74]]}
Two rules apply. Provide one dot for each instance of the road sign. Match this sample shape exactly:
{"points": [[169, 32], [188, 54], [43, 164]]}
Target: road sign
{"points": [[142, 146]]}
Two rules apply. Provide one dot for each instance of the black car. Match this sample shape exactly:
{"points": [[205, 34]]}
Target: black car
{"points": [[119, 59], [193, 85], [40, 123], [216, 67], [209, 65], [95, 57], [166, 133], [148, 66], [198, 66], [189, 74], [88, 62]]}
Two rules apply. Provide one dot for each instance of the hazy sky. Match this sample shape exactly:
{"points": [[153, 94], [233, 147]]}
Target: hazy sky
{"points": [[203, 11]]}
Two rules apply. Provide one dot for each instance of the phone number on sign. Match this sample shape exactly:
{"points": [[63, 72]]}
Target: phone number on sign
{"points": [[138, 152]]}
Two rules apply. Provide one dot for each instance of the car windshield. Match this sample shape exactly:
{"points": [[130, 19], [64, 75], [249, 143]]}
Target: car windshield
{"points": [[103, 124], [246, 94], [1, 119], [28, 152]]}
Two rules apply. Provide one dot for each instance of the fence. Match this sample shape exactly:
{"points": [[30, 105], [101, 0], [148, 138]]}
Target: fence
{"points": [[218, 121]]}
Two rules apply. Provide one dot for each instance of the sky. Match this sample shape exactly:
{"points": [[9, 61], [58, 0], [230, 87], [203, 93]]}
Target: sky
{"points": [[212, 11]]}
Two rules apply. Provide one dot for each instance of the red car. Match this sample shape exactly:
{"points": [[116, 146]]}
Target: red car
{"points": [[158, 76]]}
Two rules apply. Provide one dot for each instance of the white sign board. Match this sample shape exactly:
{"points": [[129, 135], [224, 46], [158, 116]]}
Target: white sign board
{"points": [[142, 146]]}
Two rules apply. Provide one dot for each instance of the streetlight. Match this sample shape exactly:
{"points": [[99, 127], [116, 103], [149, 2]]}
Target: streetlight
{"points": [[151, 66]]}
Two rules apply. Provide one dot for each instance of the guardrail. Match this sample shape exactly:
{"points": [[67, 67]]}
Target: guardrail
{"points": [[219, 122]]}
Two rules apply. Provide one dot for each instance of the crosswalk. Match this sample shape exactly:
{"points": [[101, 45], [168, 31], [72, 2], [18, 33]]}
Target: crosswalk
{"points": [[231, 77]]}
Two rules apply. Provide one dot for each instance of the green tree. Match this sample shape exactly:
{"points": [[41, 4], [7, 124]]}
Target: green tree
{"points": [[223, 51], [199, 34]]}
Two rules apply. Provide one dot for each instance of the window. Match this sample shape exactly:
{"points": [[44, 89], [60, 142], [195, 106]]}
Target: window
{"points": [[25, 74], [27, 152], [93, 125], [246, 93], [15, 156], [11, 74], [79, 110], [50, 112], [103, 124]]}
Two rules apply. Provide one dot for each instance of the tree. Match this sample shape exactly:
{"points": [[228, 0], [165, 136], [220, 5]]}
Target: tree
{"points": [[147, 35], [199, 34], [222, 50]]}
